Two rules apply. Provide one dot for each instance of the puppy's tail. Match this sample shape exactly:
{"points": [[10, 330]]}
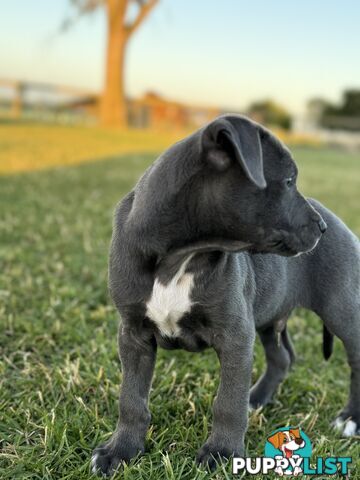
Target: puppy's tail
{"points": [[328, 342]]}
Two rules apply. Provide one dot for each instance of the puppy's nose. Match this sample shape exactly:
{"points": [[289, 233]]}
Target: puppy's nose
{"points": [[299, 441], [322, 226]]}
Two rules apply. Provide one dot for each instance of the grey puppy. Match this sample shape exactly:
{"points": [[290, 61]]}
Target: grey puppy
{"points": [[205, 252]]}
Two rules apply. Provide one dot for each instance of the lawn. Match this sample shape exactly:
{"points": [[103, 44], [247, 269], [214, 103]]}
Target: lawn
{"points": [[58, 354], [31, 146]]}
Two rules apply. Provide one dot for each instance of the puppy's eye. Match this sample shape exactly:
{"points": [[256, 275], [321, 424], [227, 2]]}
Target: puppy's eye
{"points": [[290, 181]]}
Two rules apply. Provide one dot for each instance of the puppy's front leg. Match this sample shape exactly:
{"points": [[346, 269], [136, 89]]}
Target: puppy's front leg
{"points": [[137, 356], [230, 409]]}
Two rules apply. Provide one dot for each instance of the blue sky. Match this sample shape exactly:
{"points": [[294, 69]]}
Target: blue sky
{"points": [[207, 52]]}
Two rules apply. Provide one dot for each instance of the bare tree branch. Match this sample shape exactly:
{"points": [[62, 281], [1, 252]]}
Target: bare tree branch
{"points": [[82, 7], [86, 6], [144, 10]]}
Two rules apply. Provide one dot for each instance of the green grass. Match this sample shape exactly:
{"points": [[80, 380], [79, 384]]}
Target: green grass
{"points": [[59, 366]]}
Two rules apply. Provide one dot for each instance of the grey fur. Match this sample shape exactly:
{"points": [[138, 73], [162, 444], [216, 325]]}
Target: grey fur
{"points": [[224, 195]]}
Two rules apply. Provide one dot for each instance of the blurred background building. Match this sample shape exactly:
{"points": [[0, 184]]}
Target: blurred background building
{"points": [[285, 80]]}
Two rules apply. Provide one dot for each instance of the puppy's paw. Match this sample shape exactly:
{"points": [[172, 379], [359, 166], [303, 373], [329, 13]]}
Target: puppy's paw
{"points": [[108, 458], [255, 405], [210, 456], [347, 426], [259, 397]]}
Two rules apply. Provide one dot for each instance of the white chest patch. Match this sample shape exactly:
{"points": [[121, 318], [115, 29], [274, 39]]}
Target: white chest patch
{"points": [[168, 303]]}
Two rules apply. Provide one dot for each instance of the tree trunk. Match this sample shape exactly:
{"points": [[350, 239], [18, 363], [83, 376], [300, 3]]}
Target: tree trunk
{"points": [[113, 103]]}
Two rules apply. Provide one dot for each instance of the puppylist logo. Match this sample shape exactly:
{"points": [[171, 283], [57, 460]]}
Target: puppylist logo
{"points": [[287, 452]]}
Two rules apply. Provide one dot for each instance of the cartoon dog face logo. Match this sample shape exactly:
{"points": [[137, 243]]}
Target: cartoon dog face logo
{"points": [[287, 441], [289, 447]]}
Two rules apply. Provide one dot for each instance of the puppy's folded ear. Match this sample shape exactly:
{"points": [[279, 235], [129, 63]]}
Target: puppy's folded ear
{"points": [[231, 138]]}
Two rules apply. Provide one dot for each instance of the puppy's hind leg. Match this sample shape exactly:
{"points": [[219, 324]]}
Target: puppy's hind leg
{"points": [[288, 345], [279, 357], [348, 330]]}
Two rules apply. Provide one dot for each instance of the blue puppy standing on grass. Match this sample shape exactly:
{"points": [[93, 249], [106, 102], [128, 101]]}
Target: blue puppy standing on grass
{"points": [[213, 244]]}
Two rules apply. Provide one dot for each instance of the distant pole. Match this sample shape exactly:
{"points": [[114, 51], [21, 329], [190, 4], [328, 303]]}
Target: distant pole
{"points": [[18, 100]]}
